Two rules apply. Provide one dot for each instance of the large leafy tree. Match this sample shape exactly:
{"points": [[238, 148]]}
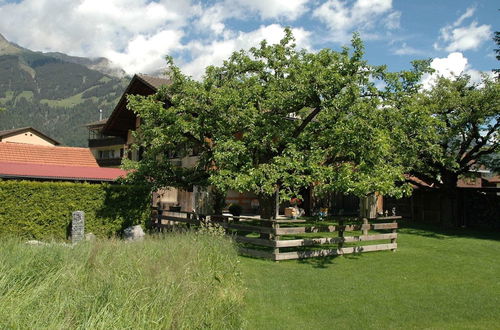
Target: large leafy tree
{"points": [[457, 129], [274, 119]]}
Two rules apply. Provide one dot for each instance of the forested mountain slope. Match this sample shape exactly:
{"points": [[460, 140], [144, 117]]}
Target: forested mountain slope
{"points": [[55, 93]]}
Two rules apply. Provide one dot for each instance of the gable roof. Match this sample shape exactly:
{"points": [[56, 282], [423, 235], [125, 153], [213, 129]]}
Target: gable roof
{"points": [[15, 131], [48, 155], [123, 119], [154, 82], [59, 172]]}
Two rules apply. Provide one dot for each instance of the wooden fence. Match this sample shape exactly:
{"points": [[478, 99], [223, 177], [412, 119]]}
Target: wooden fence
{"points": [[285, 239]]}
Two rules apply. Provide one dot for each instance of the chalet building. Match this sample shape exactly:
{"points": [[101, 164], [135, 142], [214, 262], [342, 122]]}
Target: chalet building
{"points": [[27, 135], [107, 150], [110, 141]]}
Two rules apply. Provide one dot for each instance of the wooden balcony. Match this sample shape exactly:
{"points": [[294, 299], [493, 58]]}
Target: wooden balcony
{"points": [[108, 162], [106, 142]]}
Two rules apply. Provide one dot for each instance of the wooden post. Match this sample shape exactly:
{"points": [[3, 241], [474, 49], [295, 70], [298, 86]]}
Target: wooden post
{"points": [[368, 206], [365, 223], [393, 240], [341, 234], [276, 238]]}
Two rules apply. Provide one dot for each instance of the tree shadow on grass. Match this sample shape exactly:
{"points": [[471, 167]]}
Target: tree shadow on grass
{"points": [[325, 262], [438, 232]]}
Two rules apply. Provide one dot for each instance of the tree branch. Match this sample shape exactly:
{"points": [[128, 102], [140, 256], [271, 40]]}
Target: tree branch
{"points": [[468, 156]]}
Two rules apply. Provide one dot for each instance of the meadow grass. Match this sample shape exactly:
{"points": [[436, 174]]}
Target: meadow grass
{"points": [[181, 280], [435, 280]]}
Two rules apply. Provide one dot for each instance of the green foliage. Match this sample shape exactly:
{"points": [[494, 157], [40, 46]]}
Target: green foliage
{"points": [[43, 209], [456, 127], [176, 281], [275, 117]]}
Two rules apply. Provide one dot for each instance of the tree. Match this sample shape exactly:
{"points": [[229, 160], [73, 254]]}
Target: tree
{"points": [[461, 121], [274, 120]]}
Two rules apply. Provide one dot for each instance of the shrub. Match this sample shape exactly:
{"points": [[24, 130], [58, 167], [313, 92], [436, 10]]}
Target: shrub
{"points": [[43, 209], [175, 281]]}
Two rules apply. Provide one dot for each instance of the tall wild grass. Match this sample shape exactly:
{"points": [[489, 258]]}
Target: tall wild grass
{"points": [[181, 281]]}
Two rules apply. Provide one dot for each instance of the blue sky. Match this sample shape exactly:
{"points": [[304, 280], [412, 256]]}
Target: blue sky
{"points": [[136, 34]]}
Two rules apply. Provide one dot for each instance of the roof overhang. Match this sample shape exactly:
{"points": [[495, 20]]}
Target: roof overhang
{"points": [[13, 132], [58, 172], [122, 119]]}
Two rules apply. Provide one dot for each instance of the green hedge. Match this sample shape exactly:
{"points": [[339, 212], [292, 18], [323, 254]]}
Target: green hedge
{"points": [[43, 209]]}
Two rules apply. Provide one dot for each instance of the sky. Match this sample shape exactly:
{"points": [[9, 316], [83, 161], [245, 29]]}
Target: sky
{"points": [[137, 34]]}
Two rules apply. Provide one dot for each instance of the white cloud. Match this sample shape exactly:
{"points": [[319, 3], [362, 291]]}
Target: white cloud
{"points": [[404, 49], [342, 19], [450, 67], [146, 54], [136, 34], [289, 9], [215, 52], [456, 37], [212, 17]]}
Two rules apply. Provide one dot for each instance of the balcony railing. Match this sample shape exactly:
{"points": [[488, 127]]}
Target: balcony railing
{"points": [[106, 142], [105, 162]]}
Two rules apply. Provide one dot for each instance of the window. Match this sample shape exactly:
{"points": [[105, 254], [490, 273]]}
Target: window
{"points": [[106, 154]]}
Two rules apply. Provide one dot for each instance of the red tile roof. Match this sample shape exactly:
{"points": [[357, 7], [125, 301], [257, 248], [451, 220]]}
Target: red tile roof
{"points": [[35, 154], [59, 172]]}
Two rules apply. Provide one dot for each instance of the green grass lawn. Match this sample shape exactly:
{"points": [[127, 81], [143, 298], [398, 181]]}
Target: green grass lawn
{"points": [[434, 280]]}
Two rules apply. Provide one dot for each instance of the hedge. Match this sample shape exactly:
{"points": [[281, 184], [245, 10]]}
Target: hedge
{"points": [[42, 210]]}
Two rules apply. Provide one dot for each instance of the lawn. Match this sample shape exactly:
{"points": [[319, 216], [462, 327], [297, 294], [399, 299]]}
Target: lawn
{"points": [[435, 279]]}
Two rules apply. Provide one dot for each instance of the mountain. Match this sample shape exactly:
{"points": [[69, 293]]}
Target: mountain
{"points": [[54, 92], [100, 64]]}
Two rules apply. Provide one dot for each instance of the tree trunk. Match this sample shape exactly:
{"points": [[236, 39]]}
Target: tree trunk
{"points": [[219, 200], [209, 200], [268, 206], [449, 201], [368, 206]]}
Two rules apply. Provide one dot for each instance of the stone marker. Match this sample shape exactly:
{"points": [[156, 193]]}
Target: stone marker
{"points": [[77, 226], [35, 242], [134, 233], [90, 237]]}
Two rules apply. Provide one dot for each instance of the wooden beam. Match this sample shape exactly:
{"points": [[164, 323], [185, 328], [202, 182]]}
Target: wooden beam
{"points": [[333, 240], [290, 231], [178, 219], [256, 241], [333, 252], [254, 229], [308, 242], [377, 226]]}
